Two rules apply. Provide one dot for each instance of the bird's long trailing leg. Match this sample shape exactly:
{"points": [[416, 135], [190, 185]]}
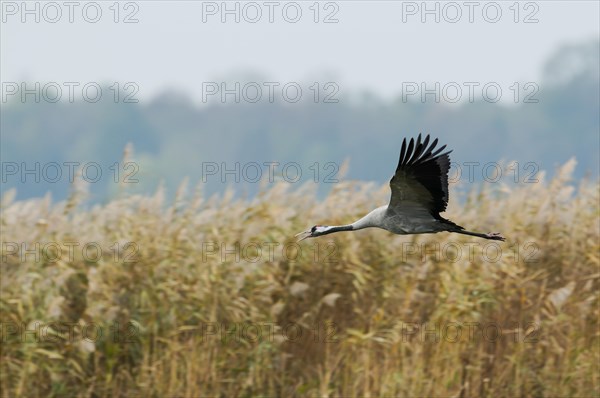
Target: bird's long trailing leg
{"points": [[491, 235]]}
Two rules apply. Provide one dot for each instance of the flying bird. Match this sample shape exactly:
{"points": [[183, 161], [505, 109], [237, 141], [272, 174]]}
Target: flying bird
{"points": [[419, 195]]}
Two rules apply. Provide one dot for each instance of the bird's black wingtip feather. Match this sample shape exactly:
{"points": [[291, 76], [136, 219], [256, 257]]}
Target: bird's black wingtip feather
{"points": [[402, 152], [411, 144]]}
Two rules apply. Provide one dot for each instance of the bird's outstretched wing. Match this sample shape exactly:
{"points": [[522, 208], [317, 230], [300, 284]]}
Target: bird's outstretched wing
{"points": [[421, 177]]}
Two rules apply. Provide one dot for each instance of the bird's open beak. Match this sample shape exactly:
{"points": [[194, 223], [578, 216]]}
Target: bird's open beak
{"points": [[303, 235]]}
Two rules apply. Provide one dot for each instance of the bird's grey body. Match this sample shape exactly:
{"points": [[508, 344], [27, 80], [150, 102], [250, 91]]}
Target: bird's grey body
{"points": [[419, 194], [385, 217]]}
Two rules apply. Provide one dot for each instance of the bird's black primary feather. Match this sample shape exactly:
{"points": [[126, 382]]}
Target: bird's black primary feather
{"points": [[403, 150], [418, 150], [421, 167], [409, 150]]}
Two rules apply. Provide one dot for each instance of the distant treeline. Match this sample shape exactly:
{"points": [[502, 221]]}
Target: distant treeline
{"points": [[45, 144]]}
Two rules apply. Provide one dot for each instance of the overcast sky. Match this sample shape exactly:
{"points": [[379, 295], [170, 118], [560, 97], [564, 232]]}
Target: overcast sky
{"points": [[375, 46]]}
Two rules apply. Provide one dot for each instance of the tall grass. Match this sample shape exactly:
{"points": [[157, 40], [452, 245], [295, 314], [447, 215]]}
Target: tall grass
{"points": [[379, 314]]}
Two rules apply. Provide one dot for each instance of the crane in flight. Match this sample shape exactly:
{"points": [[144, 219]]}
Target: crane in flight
{"points": [[419, 195]]}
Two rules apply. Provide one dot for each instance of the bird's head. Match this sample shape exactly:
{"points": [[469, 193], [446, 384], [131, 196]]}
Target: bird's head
{"points": [[315, 231]]}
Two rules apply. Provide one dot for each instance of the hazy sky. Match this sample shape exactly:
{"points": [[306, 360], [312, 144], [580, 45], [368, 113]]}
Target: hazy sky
{"points": [[374, 46]]}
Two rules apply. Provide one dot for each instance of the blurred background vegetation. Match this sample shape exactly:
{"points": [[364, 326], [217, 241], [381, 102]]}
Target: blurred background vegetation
{"points": [[180, 310]]}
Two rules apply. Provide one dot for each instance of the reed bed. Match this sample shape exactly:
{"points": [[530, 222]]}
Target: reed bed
{"points": [[204, 297]]}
